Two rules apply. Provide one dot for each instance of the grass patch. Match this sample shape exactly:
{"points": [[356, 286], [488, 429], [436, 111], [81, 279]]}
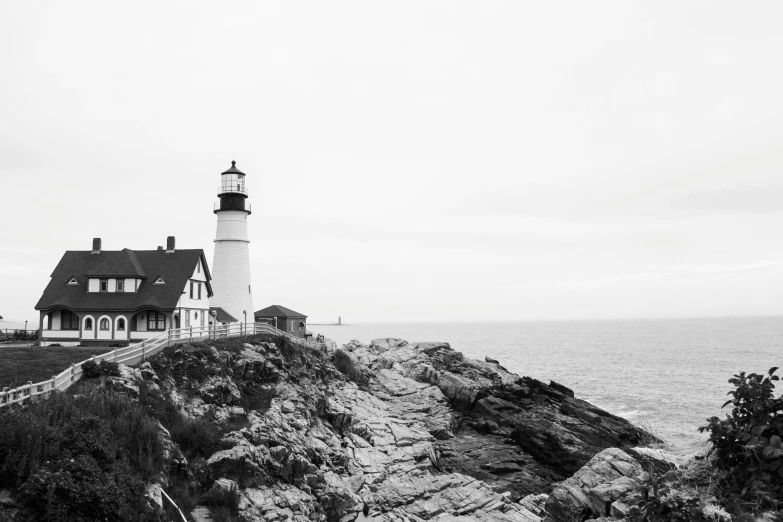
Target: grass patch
{"points": [[40, 363]]}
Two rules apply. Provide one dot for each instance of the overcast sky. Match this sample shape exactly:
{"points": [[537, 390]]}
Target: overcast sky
{"points": [[408, 160]]}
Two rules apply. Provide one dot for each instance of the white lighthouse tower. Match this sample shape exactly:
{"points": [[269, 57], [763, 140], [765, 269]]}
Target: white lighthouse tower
{"points": [[231, 265]]}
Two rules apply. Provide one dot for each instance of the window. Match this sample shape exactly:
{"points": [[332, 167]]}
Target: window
{"points": [[120, 286], [120, 324], [301, 326], [203, 316], [198, 267], [104, 324], [104, 286], [187, 318], [72, 281], [69, 321], [88, 323], [248, 289], [159, 281], [199, 290], [156, 320]]}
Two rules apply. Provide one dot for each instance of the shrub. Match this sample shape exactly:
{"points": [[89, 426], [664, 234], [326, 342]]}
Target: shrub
{"points": [[90, 369], [347, 365], [748, 444], [256, 397], [223, 504], [109, 368], [80, 458], [221, 497], [195, 437]]}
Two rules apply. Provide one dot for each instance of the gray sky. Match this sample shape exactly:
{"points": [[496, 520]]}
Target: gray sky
{"points": [[444, 160]]}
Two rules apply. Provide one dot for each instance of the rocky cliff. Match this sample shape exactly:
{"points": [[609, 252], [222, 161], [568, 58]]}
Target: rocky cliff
{"points": [[390, 431], [423, 433]]}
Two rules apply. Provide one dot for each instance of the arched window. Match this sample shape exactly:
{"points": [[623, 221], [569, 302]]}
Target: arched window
{"points": [[88, 323], [104, 324], [120, 324], [301, 326]]}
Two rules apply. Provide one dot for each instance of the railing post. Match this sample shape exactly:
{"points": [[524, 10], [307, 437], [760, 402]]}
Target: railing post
{"points": [[143, 352], [191, 334], [54, 383], [73, 372], [115, 355], [29, 388]]}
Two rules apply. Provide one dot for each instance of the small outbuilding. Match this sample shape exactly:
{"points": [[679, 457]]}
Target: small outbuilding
{"points": [[283, 318]]}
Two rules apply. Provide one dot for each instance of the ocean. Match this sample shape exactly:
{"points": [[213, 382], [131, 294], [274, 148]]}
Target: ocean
{"points": [[667, 375]]}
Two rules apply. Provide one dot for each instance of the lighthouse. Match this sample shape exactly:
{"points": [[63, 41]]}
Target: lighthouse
{"points": [[231, 264]]}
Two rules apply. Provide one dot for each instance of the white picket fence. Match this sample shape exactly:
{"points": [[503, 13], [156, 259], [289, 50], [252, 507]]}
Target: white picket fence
{"points": [[140, 352]]}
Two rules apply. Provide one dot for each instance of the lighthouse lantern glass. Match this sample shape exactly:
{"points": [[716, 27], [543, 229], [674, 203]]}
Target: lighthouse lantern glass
{"points": [[233, 183]]}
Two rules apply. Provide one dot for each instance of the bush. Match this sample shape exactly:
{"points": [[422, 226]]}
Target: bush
{"points": [[80, 458], [109, 368], [90, 369], [748, 444], [195, 437], [347, 365]]}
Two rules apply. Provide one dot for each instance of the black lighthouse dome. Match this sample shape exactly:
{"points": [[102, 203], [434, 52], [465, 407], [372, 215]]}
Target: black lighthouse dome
{"points": [[232, 191]]}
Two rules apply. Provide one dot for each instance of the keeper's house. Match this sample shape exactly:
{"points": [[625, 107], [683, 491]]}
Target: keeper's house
{"points": [[124, 296]]}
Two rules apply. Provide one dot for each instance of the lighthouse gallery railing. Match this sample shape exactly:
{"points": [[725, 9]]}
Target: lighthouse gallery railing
{"points": [[140, 352]]}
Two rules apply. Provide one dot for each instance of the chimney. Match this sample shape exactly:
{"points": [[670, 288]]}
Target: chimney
{"points": [[96, 245], [160, 247], [170, 245]]}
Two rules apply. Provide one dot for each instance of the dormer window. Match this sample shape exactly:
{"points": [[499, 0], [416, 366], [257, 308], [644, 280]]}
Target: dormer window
{"points": [[104, 285], [159, 281], [72, 281], [120, 286]]}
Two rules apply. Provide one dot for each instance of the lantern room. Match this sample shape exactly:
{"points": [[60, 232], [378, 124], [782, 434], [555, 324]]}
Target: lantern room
{"points": [[232, 191]]}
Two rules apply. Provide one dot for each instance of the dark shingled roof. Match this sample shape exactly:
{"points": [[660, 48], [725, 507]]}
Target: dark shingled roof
{"points": [[277, 311], [175, 269], [223, 316]]}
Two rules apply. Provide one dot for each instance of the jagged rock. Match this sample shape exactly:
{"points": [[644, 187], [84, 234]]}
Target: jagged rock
{"points": [[201, 514], [219, 390], [148, 373], [127, 382], [488, 359], [245, 464], [226, 485], [536, 504], [152, 492], [568, 392], [6, 500], [432, 436]]}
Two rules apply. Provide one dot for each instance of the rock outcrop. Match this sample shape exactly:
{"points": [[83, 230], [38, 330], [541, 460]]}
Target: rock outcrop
{"points": [[614, 486], [426, 434]]}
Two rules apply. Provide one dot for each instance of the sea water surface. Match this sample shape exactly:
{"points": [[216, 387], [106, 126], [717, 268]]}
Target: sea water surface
{"points": [[667, 375]]}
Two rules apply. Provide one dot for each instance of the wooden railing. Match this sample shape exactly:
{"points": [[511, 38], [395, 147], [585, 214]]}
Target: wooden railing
{"points": [[140, 352]]}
